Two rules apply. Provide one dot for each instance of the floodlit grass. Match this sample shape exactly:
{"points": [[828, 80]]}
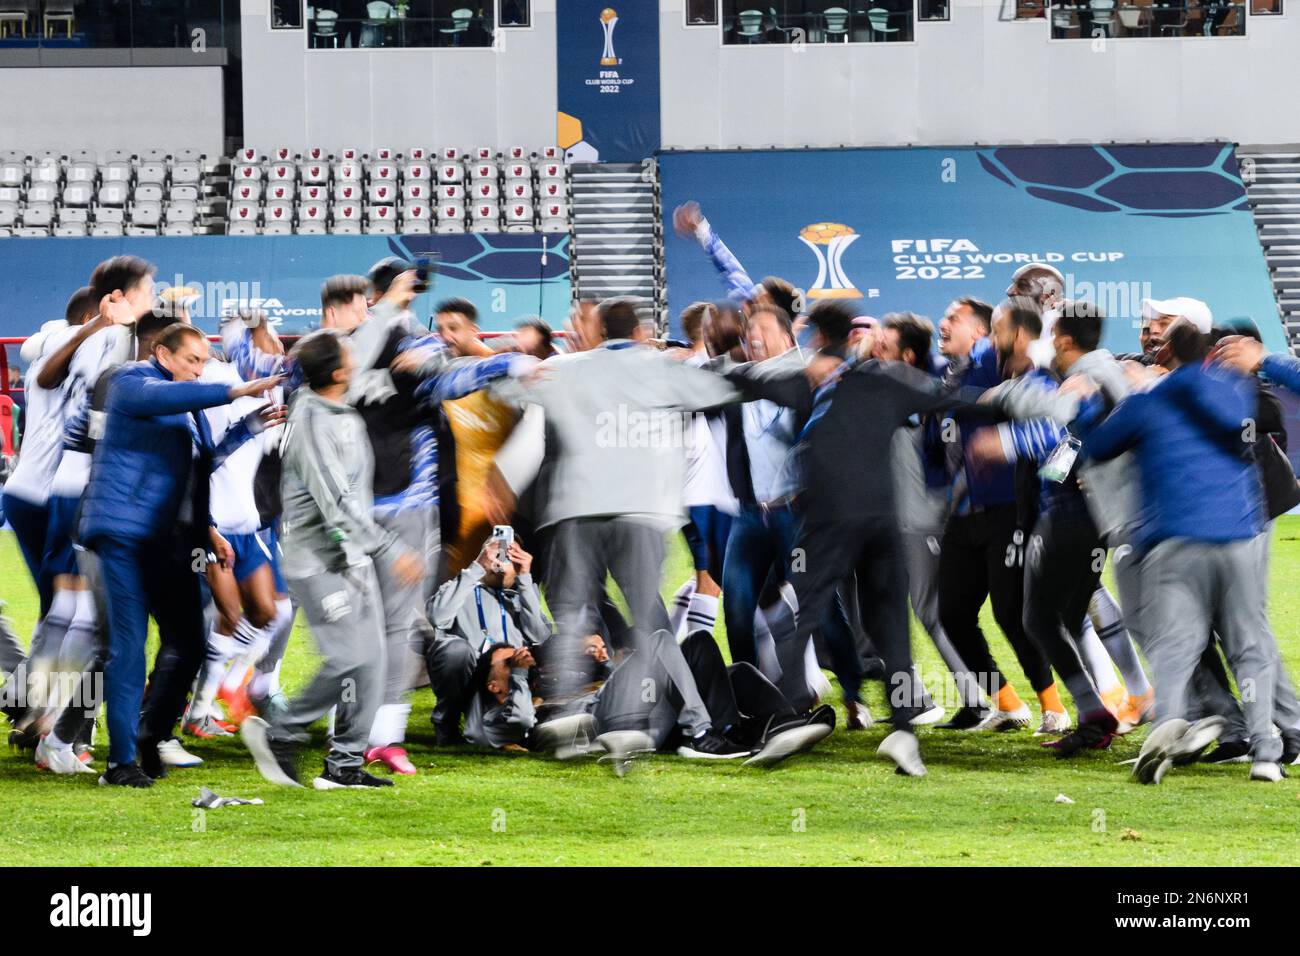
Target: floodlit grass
{"points": [[987, 800]]}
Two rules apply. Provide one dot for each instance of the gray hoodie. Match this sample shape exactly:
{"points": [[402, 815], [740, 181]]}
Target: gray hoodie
{"points": [[1110, 487], [327, 489]]}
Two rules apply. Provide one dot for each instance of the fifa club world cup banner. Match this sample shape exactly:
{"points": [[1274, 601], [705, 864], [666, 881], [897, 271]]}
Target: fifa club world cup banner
{"points": [[506, 276], [607, 94], [911, 229]]}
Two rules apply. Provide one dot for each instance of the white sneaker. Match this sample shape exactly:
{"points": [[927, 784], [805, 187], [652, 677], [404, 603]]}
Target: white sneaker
{"points": [[569, 736], [925, 718], [1153, 760], [60, 760], [1196, 738], [621, 746], [1004, 720], [901, 747], [174, 755], [1267, 771], [1055, 723], [859, 716]]}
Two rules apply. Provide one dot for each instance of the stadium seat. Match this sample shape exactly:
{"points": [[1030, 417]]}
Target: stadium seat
{"points": [[450, 191], [347, 228], [348, 190], [281, 154], [381, 213], [113, 194], [313, 228], [116, 156], [106, 229], [145, 213], [416, 227], [277, 212], [282, 172], [8, 214], [10, 194], [484, 189], [188, 191], [149, 192], [279, 192], [245, 212], [47, 172], [110, 214], [449, 154], [141, 230], [384, 154], [32, 232], [519, 171], [417, 171], [247, 172], [153, 156], [247, 155], [187, 156], [281, 228], [383, 171], [417, 189], [314, 173], [13, 174], [551, 153], [313, 192], [381, 227], [551, 189], [550, 171], [316, 154], [348, 170], [178, 229], [42, 192], [518, 154], [416, 210], [38, 214], [519, 189], [187, 172], [382, 192], [451, 173], [183, 211], [246, 191], [417, 154], [346, 212], [486, 209], [69, 214], [519, 217], [350, 154], [151, 173], [484, 170], [241, 229], [312, 212], [82, 172]]}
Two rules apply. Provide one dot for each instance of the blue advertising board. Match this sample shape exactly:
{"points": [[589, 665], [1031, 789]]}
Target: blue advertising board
{"points": [[911, 229], [507, 276], [607, 80]]}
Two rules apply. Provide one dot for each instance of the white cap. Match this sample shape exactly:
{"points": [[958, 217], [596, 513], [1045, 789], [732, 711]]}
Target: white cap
{"points": [[1193, 310], [35, 344]]}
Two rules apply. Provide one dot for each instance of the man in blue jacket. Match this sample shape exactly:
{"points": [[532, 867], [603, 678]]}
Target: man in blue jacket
{"points": [[1199, 566], [145, 515]]}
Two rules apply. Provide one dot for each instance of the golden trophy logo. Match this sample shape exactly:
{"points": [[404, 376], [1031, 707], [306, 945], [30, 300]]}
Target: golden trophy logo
{"points": [[835, 237], [608, 20]]}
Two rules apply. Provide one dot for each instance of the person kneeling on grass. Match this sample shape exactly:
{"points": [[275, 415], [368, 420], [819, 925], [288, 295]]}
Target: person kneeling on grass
{"points": [[330, 544], [660, 697], [493, 602]]}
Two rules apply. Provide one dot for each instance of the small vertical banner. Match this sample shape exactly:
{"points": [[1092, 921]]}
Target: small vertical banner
{"points": [[607, 76]]}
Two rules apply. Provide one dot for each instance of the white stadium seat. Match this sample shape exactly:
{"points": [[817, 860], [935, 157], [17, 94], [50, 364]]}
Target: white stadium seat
{"points": [[313, 211], [348, 191], [82, 172], [247, 155], [183, 191], [312, 228], [518, 189], [248, 172], [381, 213], [186, 172], [241, 229], [151, 173], [106, 229], [38, 214], [518, 154], [278, 229], [516, 171], [417, 154], [417, 171], [483, 189], [382, 191], [316, 154], [245, 212], [282, 172], [449, 154], [451, 173], [313, 191], [416, 227], [246, 191], [153, 156], [548, 153], [150, 192], [347, 228], [484, 170], [70, 229], [178, 229], [383, 171], [69, 214], [146, 213], [347, 170], [281, 154], [384, 153], [8, 214], [183, 211], [277, 211], [349, 154], [13, 174], [279, 192], [349, 211], [42, 192], [450, 191], [416, 210], [551, 189], [417, 190], [113, 214]]}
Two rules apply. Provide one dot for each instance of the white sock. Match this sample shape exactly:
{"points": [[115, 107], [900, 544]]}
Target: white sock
{"points": [[765, 648], [677, 610], [1109, 621], [702, 614], [389, 727], [253, 645], [221, 648], [1097, 660], [54, 743]]}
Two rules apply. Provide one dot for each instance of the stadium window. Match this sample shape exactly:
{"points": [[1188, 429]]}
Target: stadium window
{"points": [[403, 24], [816, 21], [933, 10], [1266, 8], [286, 15], [515, 13], [1109, 19], [701, 13]]}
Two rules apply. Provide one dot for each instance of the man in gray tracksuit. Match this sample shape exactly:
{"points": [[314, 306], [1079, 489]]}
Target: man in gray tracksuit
{"points": [[487, 604], [330, 544]]}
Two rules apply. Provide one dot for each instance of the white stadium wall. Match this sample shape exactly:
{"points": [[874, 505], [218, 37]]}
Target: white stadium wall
{"points": [[978, 79], [103, 108], [297, 97]]}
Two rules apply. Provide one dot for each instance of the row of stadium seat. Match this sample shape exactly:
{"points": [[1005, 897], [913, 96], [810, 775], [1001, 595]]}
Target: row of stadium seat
{"points": [[318, 154]]}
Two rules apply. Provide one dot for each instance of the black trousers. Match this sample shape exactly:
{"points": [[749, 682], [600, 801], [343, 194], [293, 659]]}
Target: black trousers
{"points": [[1062, 570], [827, 551], [736, 696], [982, 557]]}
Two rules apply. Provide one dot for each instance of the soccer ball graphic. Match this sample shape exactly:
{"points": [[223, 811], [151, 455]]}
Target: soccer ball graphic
{"points": [[1174, 181]]}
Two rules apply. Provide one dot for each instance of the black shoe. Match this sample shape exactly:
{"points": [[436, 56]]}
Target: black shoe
{"points": [[712, 746], [1095, 732], [825, 714], [964, 719], [873, 669], [23, 740], [126, 775], [1231, 751], [150, 760], [353, 778], [448, 735]]}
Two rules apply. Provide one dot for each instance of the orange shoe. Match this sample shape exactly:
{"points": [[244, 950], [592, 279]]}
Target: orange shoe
{"points": [[1136, 711], [238, 706], [1114, 699]]}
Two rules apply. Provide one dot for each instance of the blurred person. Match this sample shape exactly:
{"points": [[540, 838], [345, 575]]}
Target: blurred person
{"points": [[331, 545], [155, 444], [863, 336], [982, 548], [533, 336], [1044, 284], [1198, 542]]}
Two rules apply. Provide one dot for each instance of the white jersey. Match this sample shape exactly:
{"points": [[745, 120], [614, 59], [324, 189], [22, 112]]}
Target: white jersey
{"points": [[106, 348], [233, 505], [38, 457], [706, 482]]}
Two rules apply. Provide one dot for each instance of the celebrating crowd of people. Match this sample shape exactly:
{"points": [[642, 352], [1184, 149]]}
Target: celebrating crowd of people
{"points": [[441, 511]]}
